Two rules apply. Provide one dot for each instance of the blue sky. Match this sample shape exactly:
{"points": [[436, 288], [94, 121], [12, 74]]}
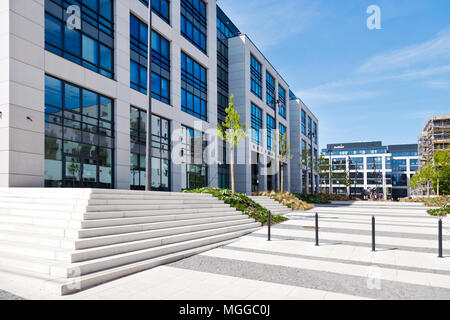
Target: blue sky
{"points": [[362, 84]]}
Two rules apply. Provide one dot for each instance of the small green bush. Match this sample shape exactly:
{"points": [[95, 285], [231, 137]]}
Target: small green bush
{"points": [[311, 198], [242, 203], [441, 212]]}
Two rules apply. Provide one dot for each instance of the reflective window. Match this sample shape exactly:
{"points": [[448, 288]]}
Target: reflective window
{"points": [[270, 122], [79, 133], [160, 151], [399, 165], [413, 164], [160, 68], [374, 163], [303, 122], [256, 126], [282, 98], [194, 168], [270, 90], [138, 55], [92, 45], [194, 88], [255, 77], [194, 22], [399, 180]]}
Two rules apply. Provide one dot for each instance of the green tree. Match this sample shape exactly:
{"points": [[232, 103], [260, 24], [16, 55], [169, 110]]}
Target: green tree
{"points": [[441, 166], [285, 155], [232, 132], [306, 162], [322, 167]]}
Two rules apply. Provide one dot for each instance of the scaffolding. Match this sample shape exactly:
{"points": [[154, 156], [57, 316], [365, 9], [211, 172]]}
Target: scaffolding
{"points": [[435, 135]]}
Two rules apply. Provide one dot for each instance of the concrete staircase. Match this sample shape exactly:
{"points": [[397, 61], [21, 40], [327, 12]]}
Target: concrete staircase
{"points": [[274, 206], [66, 240]]}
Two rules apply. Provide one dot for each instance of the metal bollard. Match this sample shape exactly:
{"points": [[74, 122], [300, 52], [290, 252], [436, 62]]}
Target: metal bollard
{"points": [[268, 227], [317, 229], [373, 233], [440, 238]]}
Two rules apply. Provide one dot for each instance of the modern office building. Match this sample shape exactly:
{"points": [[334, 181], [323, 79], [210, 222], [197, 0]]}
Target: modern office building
{"points": [[384, 171], [75, 90], [435, 135], [261, 98], [304, 130]]}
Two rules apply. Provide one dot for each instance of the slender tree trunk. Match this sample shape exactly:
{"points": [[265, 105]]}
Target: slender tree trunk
{"points": [[233, 190], [428, 188], [307, 182], [437, 187], [282, 178]]}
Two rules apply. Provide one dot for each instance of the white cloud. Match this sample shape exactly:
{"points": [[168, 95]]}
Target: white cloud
{"points": [[425, 52]]}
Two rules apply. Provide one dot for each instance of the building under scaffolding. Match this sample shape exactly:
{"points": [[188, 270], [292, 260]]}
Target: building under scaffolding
{"points": [[435, 135]]}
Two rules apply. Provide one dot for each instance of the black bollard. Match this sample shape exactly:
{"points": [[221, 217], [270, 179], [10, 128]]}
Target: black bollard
{"points": [[373, 233], [440, 238], [317, 229], [268, 227]]}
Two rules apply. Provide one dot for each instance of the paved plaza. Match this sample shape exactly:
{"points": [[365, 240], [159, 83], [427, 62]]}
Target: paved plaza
{"points": [[405, 265]]}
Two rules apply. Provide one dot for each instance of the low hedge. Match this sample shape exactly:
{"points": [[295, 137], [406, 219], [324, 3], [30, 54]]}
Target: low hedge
{"points": [[242, 203], [441, 212], [311, 198]]}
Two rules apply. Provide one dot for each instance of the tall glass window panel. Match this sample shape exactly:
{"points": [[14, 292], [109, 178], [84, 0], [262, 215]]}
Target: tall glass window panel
{"points": [[194, 22], [270, 127], [282, 98], [79, 132], [92, 43], [194, 88], [256, 124], [160, 68], [138, 55], [255, 76], [270, 90]]}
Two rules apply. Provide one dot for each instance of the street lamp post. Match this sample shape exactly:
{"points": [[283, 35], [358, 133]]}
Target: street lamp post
{"points": [[274, 104], [311, 135], [148, 167]]}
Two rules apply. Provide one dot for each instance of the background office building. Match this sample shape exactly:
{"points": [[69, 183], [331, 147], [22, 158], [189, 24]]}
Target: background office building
{"points": [[75, 92], [385, 170], [304, 129]]}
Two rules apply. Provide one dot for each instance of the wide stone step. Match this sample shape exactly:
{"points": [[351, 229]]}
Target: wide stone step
{"points": [[130, 207], [88, 267], [105, 231], [104, 240], [147, 213], [70, 256], [25, 269]]}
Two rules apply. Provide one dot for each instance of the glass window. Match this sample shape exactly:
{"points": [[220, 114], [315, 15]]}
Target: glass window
{"points": [[256, 116], [194, 88], [282, 98], [374, 163], [399, 165], [138, 55], [194, 22], [270, 90], [194, 172], [303, 122], [79, 139], [160, 68], [255, 77], [160, 151], [270, 127], [92, 45]]}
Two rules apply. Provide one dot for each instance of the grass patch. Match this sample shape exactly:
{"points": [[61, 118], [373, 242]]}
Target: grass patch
{"points": [[311, 198], [441, 212], [287, 199], [242, 203]]}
